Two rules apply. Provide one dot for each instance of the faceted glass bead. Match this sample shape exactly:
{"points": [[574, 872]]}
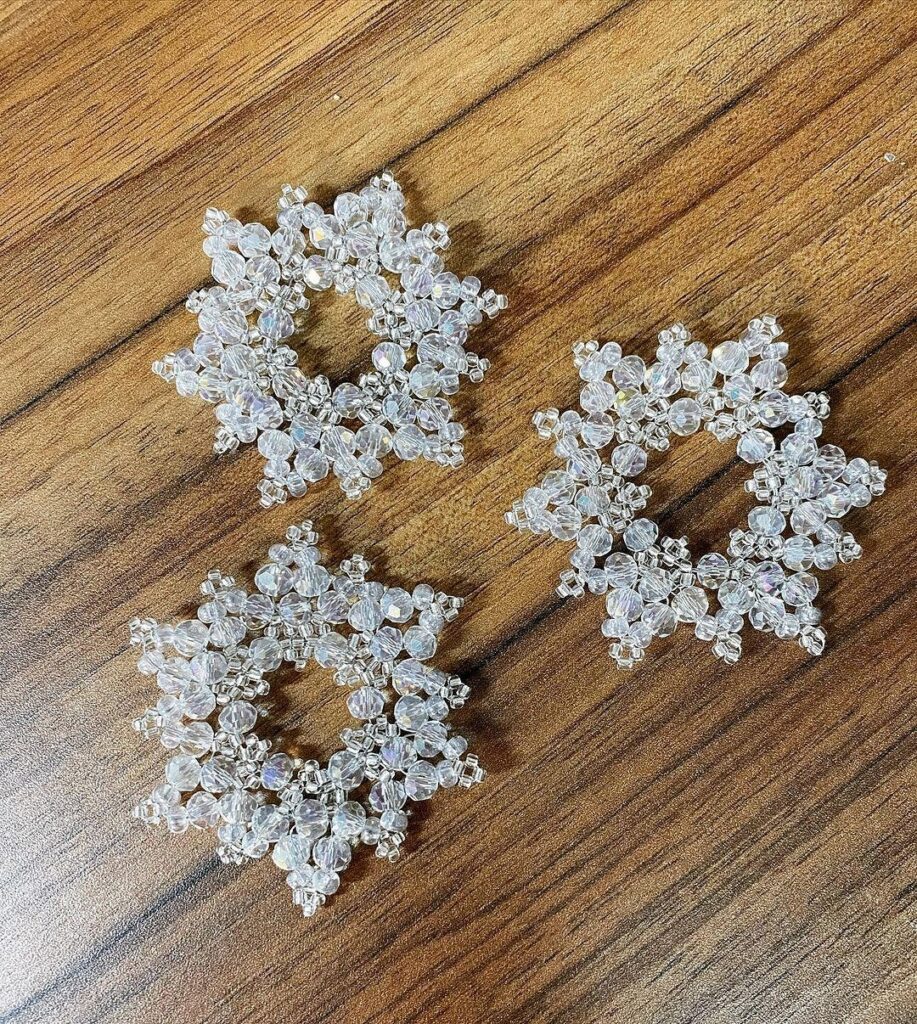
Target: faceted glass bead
{"points": [[598, 430], [629, 372], [734, 596], [203, 810], [292, 852], [662, 379], [410, 712], [197, 739], [800, 588], [798, 552], [421, 781], [835, 500], [237, 807], [773, 408], [217, 774], [397, 753], [769, 373], [628, 459], [630, 404], [311, 465], [654, 585], [430, 738], [698, 375], [183, 772], [766, 521], [190, 637], [197, 700], [419, 643], [808, 518], [595, 540], [621, 570], [238, 717], [641, 534], [274, 580], [371, 291], [738, 390], [265, 653], [755, 446], [331, 854], [623, 604], [270, 823], [690, 604], [311, 819], [386, 643], [409, 676], [824, 557], [276, 772], [769, 578], [311, 580], [684, 417], [345, 769], [799, 449], [365, 703], [366, 615], [389, 357], [597, 396], [397, 605], [660, 619], [387, 796], [592, 501], [729, 358], [318, 273], [348, 820], [831, 461], [446, 290]]}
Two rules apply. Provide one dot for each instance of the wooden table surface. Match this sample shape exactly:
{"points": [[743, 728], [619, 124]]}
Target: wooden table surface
{"points": [[685, 842]]}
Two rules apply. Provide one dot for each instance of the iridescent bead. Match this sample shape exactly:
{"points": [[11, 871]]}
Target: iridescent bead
{"points": [[684, 416], [365, 703], [183, 772], [348, 820], [238, 717], [421, 781], [310, 818], [276, 771], [729, 358], [345, 769], [755, 445]]}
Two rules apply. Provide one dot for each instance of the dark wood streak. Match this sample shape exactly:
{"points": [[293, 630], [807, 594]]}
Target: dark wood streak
{"points": [[721, 728], [584, 213], [355, 184], [682, 843], [130, 930], [52, 571], [155, 503], [512, 257]]}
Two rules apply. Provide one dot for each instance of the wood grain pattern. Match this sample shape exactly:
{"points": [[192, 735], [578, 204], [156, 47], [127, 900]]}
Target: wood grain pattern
{"points": [[685, 843]]}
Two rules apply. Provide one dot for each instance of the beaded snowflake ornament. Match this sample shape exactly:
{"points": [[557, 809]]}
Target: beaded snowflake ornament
{"points": [[650, 582], [213, 673], [305, 428]]}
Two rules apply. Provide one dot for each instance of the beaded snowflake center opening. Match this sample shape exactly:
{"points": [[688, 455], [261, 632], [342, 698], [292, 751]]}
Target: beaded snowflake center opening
{"points": [[651, 582], [373, 640]]}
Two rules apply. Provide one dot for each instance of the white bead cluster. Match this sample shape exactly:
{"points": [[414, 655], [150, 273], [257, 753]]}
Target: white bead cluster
{"points": [[804, 489], [377, 641], [305, 428]]}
